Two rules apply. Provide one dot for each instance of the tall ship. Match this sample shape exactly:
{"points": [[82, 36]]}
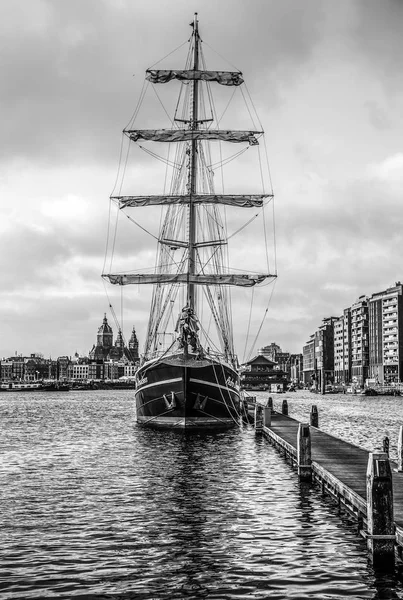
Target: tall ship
{"points": [[188, 377]]}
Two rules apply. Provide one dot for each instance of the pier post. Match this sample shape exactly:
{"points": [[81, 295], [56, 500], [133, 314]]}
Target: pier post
{"points": [[314, 416], [284, 407], [400, 450], [266, 416], [322, 381], [258, 418], [380, 535], [270, 402], [304, 458], [385, 444]]}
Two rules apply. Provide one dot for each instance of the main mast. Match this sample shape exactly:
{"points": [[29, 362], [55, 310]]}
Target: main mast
{"points": [[193, 170]]}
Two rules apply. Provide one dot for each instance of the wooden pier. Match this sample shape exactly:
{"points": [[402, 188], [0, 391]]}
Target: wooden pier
{"points": [[367, 485]]}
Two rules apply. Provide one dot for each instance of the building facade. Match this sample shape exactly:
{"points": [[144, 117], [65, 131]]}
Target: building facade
{"points": [[308, 361], [386, 335], [360, 341], [342, 346]]}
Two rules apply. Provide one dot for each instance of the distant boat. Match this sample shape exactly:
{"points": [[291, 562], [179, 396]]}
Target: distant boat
{"points": [[188, 378], [34, 386], [56, 386], [13, 386]]}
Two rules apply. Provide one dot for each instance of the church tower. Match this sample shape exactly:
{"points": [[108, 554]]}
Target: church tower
{"points": [[119, 343], [105, 335], [134, 346]]}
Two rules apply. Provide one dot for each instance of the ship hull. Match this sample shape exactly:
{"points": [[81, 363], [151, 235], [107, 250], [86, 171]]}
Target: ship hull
{"points": [[187, 393]]}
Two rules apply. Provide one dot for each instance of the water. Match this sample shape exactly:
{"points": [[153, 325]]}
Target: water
{"points": [[95, 507]]}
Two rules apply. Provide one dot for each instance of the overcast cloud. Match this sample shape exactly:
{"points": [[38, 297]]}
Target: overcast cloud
{"points": [[326, 80]]}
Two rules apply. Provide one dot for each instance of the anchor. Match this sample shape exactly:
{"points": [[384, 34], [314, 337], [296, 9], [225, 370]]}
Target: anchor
{"points": [[200, 404], [170, 404]]}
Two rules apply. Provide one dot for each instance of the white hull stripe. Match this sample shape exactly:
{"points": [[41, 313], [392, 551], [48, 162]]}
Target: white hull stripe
{"points": [[211, 384], [144, 387]]}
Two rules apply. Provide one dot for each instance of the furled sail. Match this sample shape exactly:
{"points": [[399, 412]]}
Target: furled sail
{"points": [[221, 77], [197, 278], [241, 200], [187, 135]]}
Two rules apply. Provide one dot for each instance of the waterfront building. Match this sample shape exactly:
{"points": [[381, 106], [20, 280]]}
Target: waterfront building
{"points": [[130, 369], [78, 371], [296, 368], [260, 372], [308, 361], [386, 335], [318, 356], [359, 341], [342, 344], [6, 370], [324, 353], [18, 367], [291, 364], [114, 369], [62, 365]]}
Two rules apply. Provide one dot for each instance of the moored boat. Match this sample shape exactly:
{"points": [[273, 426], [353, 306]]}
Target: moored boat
{"points": [[188, 376], [17, 386]]}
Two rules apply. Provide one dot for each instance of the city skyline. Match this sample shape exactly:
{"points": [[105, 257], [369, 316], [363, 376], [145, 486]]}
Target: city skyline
{"points": [[323, 79]]}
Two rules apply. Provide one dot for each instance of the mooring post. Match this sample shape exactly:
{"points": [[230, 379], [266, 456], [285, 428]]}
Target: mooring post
{"points": [[385, 445], [270, 402], [266, 416], [314, 416], [284, 407], [304, 458], [381, 529], [400, 450], [258, 418]]}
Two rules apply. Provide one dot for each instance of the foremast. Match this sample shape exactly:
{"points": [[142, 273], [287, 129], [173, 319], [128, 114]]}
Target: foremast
{"points": [[191, 301]]}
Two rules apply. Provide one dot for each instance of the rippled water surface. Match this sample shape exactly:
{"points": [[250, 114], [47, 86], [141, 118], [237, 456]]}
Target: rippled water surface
{"points": [[93, 506]]}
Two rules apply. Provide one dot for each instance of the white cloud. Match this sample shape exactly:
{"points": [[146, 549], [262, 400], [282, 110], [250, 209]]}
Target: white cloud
{"points": [[323, 79]]}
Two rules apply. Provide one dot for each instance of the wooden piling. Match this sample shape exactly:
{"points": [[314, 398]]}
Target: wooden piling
{"points": [[266, 416], [385, 445], [380, 535], [304, 458], [314, 417], [400, 450], [270, 402], [258, 418], [284, 407]]}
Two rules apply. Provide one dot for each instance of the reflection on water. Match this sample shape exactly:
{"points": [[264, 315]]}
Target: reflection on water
{"points": [[96, 507]]}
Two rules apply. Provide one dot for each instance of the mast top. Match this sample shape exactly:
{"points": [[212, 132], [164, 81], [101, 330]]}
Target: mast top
{"points": [[195, 23]]}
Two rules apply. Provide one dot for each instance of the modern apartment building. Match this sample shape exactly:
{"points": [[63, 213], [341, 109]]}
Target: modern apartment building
{"points": [[318, 356], [324, 353], [386, 335], [308, 361], [342, 345], [360, 341]]}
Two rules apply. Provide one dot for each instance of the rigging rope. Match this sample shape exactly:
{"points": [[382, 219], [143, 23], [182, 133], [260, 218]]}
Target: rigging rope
{"points": [[249, 320], [169, 54], [261, 324], [160, 158]]}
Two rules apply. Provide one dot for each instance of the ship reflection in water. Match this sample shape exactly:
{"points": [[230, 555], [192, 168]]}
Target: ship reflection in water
{"points": [[95, 506]]}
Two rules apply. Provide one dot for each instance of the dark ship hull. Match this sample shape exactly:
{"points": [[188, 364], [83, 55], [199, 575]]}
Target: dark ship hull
{"points": [[187, 393]]}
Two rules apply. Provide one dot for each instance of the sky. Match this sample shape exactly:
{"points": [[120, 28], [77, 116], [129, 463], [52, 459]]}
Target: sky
{"points": [[326, 81]]}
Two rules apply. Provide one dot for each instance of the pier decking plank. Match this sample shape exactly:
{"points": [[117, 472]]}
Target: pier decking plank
{"points": [[338, 460]]}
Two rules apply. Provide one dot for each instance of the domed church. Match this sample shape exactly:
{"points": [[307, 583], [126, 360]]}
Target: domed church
{"points": [[105, 349]]}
